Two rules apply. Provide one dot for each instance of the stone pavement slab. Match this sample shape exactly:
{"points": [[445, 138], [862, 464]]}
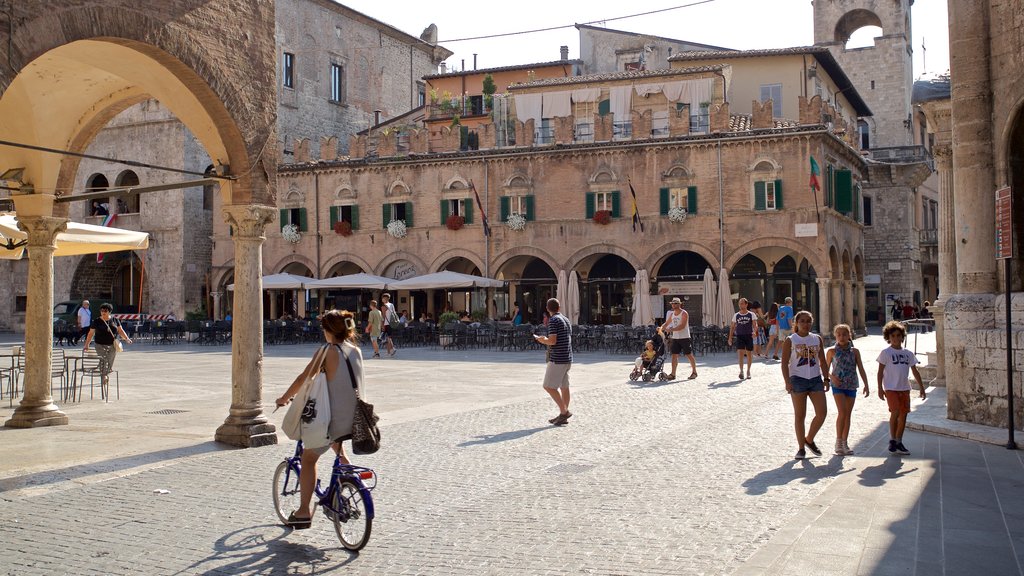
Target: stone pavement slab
{"points": [[691, 477]]}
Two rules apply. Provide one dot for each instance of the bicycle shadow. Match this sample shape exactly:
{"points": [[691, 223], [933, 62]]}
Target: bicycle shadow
{"points": [[805, 471], [504, 436], [249, 551]]}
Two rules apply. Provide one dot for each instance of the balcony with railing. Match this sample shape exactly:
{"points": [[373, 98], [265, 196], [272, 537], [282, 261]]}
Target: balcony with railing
{"points": [[903, 155], [928, 237]]}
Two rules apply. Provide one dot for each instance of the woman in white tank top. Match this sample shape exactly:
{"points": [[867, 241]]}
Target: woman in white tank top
{"points": [[803, 357]]}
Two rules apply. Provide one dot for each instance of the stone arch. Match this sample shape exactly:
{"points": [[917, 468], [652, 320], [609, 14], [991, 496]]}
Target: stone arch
{"points": [[662, 252], [858, 268], [444, 257], [347, 257], [517, 180], [225, 275], [127, 204], [281, 264], [603, 175], [833, 261], [456, 182], [595, 249], [294, 197], [796, 247], [764, 164], [847, 265], [854, 20], [345, 190], [677, 171], [395, 257], [398, 187], [502, 259], [119, 57]]}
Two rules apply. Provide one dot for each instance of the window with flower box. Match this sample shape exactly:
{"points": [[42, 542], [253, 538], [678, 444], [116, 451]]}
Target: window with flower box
{"points": [[603, 201], [348, 213], [457, 207], [678, 197], [398, 211], [295, 216], [522, 205]]}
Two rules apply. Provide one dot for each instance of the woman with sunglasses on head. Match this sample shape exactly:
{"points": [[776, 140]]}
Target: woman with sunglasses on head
{"points": [[105, 330], [339, 330]]}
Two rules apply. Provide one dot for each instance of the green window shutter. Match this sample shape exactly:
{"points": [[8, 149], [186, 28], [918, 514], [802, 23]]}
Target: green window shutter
{"points": [[469, 210], [844, 191], [408, 214], [387, 215], [529, 207], [856, 203], [355, 218], [284, 218], [663, 201], [506, 207], [334, 216], [759, 201], [604, 107], [444, 212], [828, 187], [590, 205], [615, 205], [778, 194], [691, 200], [302, 219]]}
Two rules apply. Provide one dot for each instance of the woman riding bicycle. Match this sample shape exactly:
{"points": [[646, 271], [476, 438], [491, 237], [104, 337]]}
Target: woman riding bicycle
{"points": [[339, 331]]}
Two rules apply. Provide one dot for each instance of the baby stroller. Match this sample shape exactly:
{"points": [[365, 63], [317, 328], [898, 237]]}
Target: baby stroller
{"points": [[649, 369]]}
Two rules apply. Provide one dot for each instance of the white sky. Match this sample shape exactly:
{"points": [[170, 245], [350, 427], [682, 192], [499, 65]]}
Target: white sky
{"points": [[747, 24]]}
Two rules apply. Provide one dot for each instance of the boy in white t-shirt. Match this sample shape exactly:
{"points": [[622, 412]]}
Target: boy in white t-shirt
{"points": [[894, 366]]}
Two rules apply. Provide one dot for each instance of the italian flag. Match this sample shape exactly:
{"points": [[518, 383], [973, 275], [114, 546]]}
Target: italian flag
{"points": [[815, 172], [108, 220]]}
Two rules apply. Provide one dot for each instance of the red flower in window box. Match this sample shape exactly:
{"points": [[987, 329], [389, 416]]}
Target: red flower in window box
{"points": [[455, 222], [603, 216], [343, 228]]}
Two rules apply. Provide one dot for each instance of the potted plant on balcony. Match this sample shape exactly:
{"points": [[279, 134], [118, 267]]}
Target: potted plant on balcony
{"points": [[343, 228], [455, 222], [603, 216]]}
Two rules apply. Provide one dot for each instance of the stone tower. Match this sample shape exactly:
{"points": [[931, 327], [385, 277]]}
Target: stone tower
{"points": [[883, 73]]}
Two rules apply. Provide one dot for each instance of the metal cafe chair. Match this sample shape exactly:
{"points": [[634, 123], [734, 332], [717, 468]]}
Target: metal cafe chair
{"points": [[90, 367]]}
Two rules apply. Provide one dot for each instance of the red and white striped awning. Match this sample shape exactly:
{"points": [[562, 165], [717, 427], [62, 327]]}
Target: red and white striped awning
{"points": [[123, 317]]}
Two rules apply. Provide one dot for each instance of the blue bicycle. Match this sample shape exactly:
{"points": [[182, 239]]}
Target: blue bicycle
{"points": [[347, 501]]}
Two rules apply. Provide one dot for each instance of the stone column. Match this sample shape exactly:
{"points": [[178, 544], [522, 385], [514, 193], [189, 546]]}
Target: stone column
{"points": [[973, 172], [37, 407], [835, 306], [862, 304], [216, 306], [947, 255], [824, 307], [246, 424], [848, 308]]}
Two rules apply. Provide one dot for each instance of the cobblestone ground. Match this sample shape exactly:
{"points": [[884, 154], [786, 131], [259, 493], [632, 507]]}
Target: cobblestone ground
{"points": [[689, 477]]}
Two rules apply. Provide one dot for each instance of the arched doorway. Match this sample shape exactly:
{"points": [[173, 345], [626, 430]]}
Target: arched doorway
{"points": [[606, 293], [531, 282], [118, 279], [681, 275]]}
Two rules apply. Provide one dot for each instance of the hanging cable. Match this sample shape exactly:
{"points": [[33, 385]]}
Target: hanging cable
{"points": [[575, 24], [114, 160]]}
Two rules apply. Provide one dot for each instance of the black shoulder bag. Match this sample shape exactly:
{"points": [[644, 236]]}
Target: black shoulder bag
{"points": [[365, 434]]}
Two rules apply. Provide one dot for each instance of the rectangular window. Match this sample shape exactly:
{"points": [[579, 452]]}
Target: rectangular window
{"points": [[597, 201], [773, 92], [20, 303], [295, 216], [545, 133], [398, 211], [288, 70], [421, 94], [348, 213], [583, 112], [868, 212], [337, 85], [700, 118], [522, 205], [768, 195]]}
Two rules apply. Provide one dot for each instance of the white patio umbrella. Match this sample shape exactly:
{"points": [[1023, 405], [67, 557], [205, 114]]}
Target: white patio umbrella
{"points": [[354, 281], [710, 296], [725, 306], [643, 313], [282, 281], [76, 240], [571, 306], [563, 286], [444, 279]]}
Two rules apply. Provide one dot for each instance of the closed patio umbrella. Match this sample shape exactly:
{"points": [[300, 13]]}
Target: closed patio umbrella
{"points": [[710, 299], [571, 306], [563, 286], [643, 313], [77, 239], [725, 305]]}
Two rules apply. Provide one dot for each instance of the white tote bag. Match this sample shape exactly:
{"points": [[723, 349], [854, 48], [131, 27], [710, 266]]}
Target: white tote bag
{"points": [[309, 413]]}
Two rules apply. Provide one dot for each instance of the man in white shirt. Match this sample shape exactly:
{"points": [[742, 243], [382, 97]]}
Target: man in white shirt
{"points": [[84, 321], [677, 322]]}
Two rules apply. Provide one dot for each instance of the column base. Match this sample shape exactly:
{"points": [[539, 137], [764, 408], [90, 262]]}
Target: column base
{"points": [[37, 417], [246, 434]]}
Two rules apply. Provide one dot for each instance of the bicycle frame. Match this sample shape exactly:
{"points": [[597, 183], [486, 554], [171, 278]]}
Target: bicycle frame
{"points": [[339, 472]]}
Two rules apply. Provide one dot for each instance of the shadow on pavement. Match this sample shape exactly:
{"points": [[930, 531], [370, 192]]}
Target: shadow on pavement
{"points": [[245, 552], [888, 470], [806, 471], [106, 466], [504, 436]]}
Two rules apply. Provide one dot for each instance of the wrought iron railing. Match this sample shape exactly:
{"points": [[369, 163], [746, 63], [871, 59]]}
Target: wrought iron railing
{"points": [[929, 237]]}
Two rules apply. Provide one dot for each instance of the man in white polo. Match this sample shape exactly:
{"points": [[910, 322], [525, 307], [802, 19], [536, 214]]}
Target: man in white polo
{"points": [[84, 321], [677, 323]]}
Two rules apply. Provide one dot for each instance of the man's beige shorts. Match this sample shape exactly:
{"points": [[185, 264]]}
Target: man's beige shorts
{"points": [[556, 375]]}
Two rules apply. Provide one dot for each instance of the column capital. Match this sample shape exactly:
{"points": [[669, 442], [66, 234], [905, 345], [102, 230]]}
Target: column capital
{"points": [[42, 230], [823, 281], [249, 220]]}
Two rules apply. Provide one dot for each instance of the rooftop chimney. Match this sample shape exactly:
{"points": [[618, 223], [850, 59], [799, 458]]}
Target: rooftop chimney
{"points": [[565, 52], [474, 61], [376, 117], [443, 67]]}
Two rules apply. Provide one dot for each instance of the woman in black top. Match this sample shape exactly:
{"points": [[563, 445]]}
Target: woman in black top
{"points": [[105, 330]]}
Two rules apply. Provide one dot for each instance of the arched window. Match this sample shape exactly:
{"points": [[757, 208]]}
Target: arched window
{"points": [[128, 204], [99, 206]]}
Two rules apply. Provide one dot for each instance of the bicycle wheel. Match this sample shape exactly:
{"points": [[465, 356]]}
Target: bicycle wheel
{"points": [[286, 490], [352, 523]]}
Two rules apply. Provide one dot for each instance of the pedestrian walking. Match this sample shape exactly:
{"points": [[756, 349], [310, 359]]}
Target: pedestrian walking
{"points": [[84, 321], [105, 330], [785, 319], [677, 325], [342, 360], [556, 373], [744, 328], [895, 364], [842, 363], [761, 338], [803, 356], [774, 342], [374, 321], [390, 318]]}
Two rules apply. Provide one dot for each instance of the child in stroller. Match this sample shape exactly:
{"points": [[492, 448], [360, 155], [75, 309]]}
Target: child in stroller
{"points": [[649, 363]]}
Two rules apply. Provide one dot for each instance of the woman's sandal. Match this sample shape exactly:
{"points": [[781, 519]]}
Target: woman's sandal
{"points": [[299, 523]]}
